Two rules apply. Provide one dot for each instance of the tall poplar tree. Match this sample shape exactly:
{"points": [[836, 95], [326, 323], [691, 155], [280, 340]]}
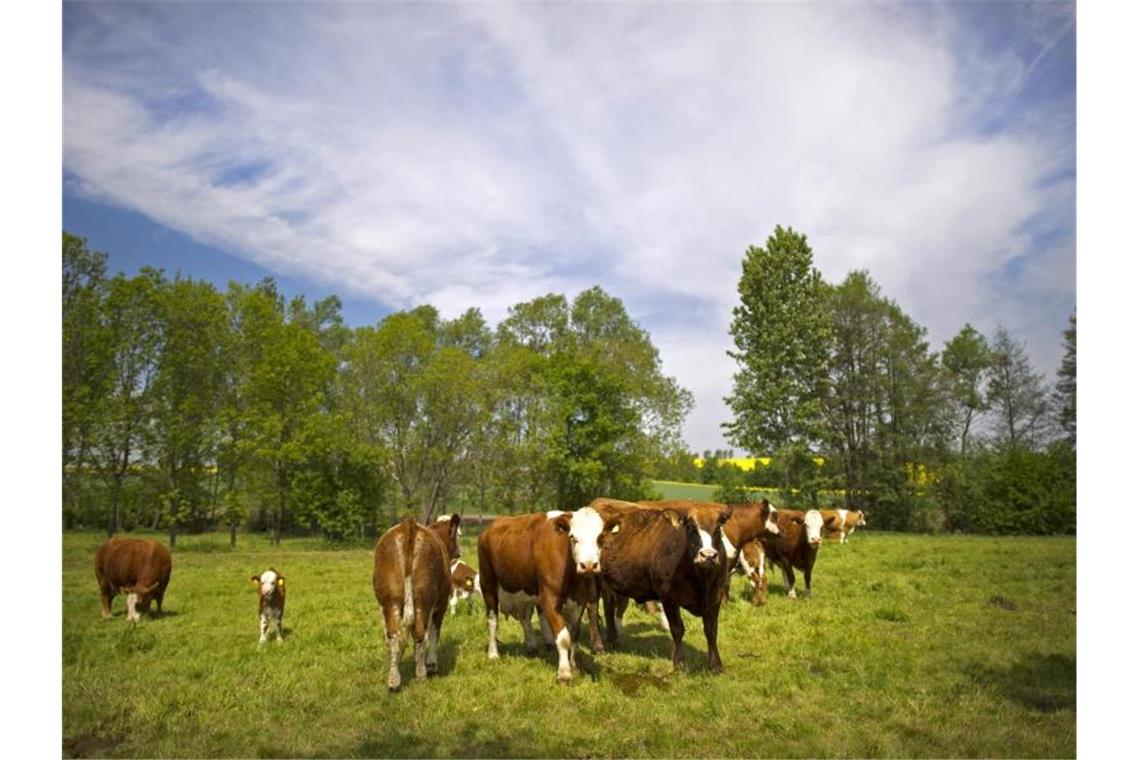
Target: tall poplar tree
{"points": [[782, 333]]}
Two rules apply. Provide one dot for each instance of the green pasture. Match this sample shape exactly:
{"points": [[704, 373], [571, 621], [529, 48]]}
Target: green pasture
{"points": [[914, 646]]}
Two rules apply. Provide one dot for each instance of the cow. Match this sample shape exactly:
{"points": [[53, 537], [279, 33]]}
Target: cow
{"points": [[796, 546], [550, 560], [464, 585], [136, 567], [270, 602], [674, 556], [750, 561], [412, 581], [841, 523]]}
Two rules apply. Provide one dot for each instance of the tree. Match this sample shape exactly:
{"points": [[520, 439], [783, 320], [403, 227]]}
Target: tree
{"points": [[131, 315], [966, 360], [188, 390], [1065, 393], [1016, 393], [86, 359], [782, 334]]}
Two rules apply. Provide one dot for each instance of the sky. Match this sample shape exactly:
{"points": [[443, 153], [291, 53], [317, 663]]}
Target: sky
{"points": [[486, 154]]}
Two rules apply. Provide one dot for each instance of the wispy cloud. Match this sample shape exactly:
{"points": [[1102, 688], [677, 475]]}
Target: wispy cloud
{"points": [[482, 154]]}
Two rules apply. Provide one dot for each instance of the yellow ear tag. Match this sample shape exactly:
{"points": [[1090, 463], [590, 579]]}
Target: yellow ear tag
{"points": [[616, 528], [280, 581]]}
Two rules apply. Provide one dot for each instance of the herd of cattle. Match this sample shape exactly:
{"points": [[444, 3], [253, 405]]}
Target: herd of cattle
{"points": [[678, 554]]}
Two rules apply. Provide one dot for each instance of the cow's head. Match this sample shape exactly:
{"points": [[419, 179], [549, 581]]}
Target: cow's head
{"points": [[813, 527], [452, 538], [862, 518], [584, 529], [769, 513], [703, 530], [269, 583]]}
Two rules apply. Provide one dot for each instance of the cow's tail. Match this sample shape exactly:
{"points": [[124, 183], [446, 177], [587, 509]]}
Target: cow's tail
{"points": [[409, 555]]}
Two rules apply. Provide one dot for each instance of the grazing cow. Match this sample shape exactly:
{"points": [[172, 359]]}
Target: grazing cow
{"points": [[674, 556], [136, 567], [796, 546], [270, 602], [412, 582], [464, 585], [549, 560], [750, 561], [841, 523]]}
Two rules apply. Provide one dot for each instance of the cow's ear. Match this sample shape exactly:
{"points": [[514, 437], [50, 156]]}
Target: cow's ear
{"points": [[280, 580], [724, 516], [562, 524], [255, 579], [611, 526], [673, 518]]}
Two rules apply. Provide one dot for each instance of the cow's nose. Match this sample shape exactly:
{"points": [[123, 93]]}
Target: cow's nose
{"points": [[707, 555], [588, 567]]}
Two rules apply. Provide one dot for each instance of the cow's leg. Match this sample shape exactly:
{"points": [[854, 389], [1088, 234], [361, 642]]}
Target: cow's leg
{"points": [[433, 642], [665, 626], [105, 598], [419, 635], [789, 579], [711, 620], [392, 629], [491, 603], [548, 603], [677, 629], [263, 620], [452, 601], [547, 634], [278, 623], [595, 634], [807, 582], [612, 630], [529, 643]]}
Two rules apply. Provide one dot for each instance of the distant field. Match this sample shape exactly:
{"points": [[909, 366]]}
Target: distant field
{"points": [[913, 646], [671, 489]]}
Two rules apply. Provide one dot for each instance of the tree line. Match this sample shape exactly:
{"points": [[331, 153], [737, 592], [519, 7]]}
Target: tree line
{"points": [[968, 438], [186, 408]]}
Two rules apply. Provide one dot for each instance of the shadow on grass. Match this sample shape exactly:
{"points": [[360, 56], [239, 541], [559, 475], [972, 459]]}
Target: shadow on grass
{"points": [[1045, 683]]}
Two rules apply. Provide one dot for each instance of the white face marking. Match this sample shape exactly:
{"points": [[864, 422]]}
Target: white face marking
{"points": [[268, 582], [585, 527], [772, 526], [454, 565], [706, 541], [729, 549], [813, 525]]}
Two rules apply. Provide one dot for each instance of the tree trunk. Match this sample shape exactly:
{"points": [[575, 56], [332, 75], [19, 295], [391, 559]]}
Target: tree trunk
{"points": [[233, 535], [113, 516]]}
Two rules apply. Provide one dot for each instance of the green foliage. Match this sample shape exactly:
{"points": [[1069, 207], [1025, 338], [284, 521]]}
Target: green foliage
{"points": [[901, 628], [1017, 394], [782, 332], [966, 360], [1011, 490]]}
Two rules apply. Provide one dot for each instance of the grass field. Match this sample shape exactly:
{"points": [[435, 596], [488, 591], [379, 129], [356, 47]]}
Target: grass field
{"points": [[917, 646]]}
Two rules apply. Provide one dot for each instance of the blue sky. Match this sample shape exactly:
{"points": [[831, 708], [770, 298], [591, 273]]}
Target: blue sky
{"points": [[484, 154]]}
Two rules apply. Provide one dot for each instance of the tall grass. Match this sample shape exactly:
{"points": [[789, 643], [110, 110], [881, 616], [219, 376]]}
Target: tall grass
{"points": [[912, 646]]}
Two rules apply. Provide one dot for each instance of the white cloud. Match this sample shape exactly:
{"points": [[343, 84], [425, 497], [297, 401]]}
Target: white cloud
{"points": [[485, 154]]}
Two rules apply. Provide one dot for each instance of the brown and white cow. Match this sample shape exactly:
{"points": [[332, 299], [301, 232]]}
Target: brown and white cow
{"points": [[796, 546], [550, 560], [412, 581], [464, 585], [674, 556], [136, 567], [841, 523], [750, 562], [270, 602]]}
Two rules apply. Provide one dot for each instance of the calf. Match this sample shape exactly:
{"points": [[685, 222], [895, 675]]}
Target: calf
{"points": [[136, 567], [549, 560], [750, 561], [841, 523], [667, 555], [464, 585], [796, 546], [270, 602], [412, 582]]}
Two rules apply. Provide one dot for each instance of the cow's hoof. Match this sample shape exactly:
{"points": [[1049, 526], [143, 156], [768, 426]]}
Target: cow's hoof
{"points": [[597, 649], [492, 655], [717, 668], [432, 669], [563, 680]]}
